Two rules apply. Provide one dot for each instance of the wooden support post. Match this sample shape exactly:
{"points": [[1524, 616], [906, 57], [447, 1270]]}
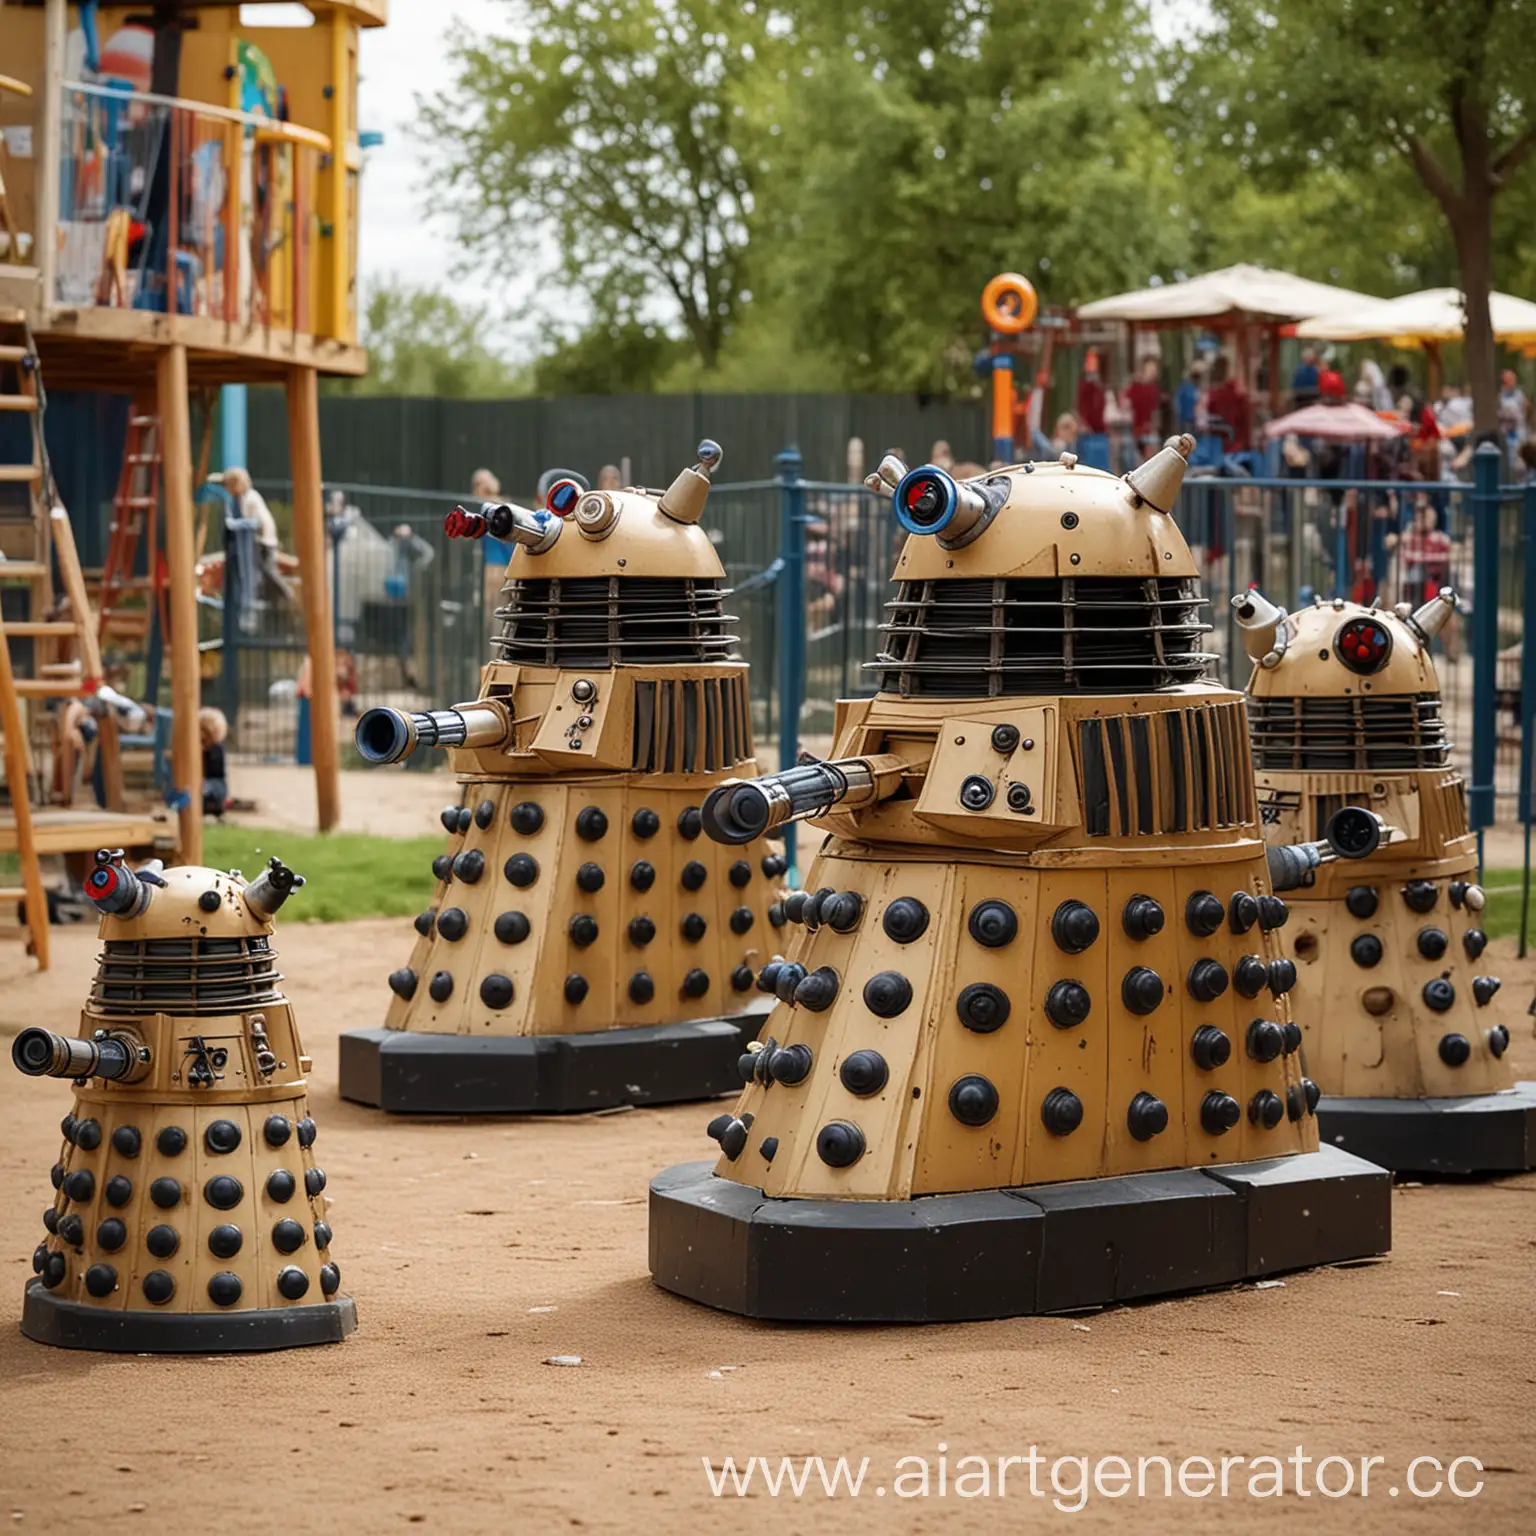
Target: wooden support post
{"points": [[309, 544], [186, 684], [16, 771]]}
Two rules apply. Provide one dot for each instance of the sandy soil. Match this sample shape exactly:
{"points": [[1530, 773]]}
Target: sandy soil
{"points": [[477, 1251]]}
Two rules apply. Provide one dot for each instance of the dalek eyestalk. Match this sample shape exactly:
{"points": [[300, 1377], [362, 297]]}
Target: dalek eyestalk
{"points": [[387, 735], [120, 1057], [737, 813], [535, 531], [931, 501]]}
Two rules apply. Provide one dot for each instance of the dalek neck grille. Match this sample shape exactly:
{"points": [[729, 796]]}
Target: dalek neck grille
{"points": [[1041, 636], [197, 976], [1387, 733], [610, 621]]}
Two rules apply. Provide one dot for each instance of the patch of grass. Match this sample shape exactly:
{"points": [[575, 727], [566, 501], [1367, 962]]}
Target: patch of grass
{"points": [[1501, 917], [349, 874]]}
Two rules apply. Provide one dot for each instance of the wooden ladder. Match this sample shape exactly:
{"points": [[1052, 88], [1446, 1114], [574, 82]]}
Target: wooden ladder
{"points": [[135, 508], [18, 777]]}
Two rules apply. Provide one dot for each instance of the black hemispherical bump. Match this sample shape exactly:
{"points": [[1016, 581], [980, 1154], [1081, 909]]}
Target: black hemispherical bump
{"points": [[695, 983], [1272, 913], [1265, 1108], [452, 924], [690, 823], [645, 823], [485, 814], [1292, 1031], [994, 924], [496, 990], [224, 1289], [1439, 995], [576, 987], [101, 1279], [1265, 1040], [165, 1193], [642, 875], [811, 910], [281, 1185], [276, 1131], [1061, 1112], [1474, 941], [1457, 891], [1207, 980], [776, 914], [223, 1192], [983, 1007], [1313, 1094], [305, 1130], [126, 1141], [733, 1139], [322, 1234], [440, 988], [1242, 912], [864, 1073], [449, 816], [225, 1241], [80, 1185], [1142, 990], [887, 994], [582, 929], [641, 988], [590, 878], [694, 875], [71, 1229], [1421, 895], [1455, 1050], [1365, 949], [527, 818], [51, 1219], [330, 1279], [1142, 918], [641, 931], [1484, 989], [591, 824], [209, 901], [111, 1234], [742, 979], [56, 1173], [1498, 1040], [67, 1128], [1433, 942], [403, 982], [464, 818], [88, 1135], [1295, 1102], [788, 975], [119, 1191], [1146, 1117], [790, 1064], [840, 1144], [1067, 1004], [511, 928], [426, 921], [841, 913], [222, 1136], [442, 867], [773, 865], [741, 920], [973, 1099], [39, 1258], [1282, 976], [818, 991], [716, 1127], [740, 873], [287, 1235], [54, 1270], [522, 869], [1204, 914], [158, 1287], [1362, 901], [314, 1181], [1250, 976], [795, 904], [292, 1283], [768, 1146], [1219, 1112], [1074, 926], [904, 920], [693, 927]]}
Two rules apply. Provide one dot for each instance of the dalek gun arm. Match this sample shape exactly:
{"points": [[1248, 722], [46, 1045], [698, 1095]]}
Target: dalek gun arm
{"points": [[386, 735], [115, 1056], [744, 809], [535, 531], [272, 887], [1351, 833]]}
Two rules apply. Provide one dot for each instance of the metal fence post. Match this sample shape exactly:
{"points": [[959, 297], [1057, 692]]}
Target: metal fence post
{"points": [[1527, 698], [790, 616], [1485, 633]]}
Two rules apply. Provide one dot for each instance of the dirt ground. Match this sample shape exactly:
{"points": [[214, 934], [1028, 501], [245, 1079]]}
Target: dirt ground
{"points": [[478, 1251]]}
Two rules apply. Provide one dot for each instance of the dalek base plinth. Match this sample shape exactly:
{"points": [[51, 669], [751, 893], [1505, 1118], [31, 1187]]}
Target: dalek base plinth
{"points": [[1011, 1253], [413, 1072], [1487, 1133], [50, 1319]]}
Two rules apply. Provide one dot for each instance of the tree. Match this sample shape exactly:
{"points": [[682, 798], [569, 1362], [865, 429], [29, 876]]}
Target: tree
{"points": [[621, 145], [1354, 83], [425, 343]]}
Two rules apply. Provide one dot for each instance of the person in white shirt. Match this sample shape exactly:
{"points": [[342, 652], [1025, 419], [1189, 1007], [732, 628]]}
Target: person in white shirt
{"points": [[249, 502]]}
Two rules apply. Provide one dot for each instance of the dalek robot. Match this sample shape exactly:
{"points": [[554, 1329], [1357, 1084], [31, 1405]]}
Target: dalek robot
{"points": [[188, 1213], [1032, 1049], [1405, 1032], [585, 945]]}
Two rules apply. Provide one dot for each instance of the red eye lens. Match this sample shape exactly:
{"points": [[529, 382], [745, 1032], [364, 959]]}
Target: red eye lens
{"points": [[1363, 645]]}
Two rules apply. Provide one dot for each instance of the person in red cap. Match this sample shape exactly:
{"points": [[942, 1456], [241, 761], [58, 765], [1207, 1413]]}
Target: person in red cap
{"points": [[1330, 384]]}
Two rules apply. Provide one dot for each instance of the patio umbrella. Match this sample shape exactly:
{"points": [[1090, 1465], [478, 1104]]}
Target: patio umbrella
{"points": [[1243, 292], [1344, 423], [1433, 314]]}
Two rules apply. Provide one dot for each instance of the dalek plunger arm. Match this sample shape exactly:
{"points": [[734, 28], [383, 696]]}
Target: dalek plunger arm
{"points": [[1351, 833], [119, 1057], [739, 812], [387, 735], [535, 531]]}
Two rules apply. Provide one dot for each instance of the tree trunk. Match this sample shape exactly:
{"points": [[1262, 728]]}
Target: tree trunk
{"points": [[1474, 252]]}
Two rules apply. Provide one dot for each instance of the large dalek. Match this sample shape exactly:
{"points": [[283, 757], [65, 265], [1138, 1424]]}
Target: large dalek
{"points": [[188, 1213], [1032, 1048], [1402, 1020], [585, 946]]}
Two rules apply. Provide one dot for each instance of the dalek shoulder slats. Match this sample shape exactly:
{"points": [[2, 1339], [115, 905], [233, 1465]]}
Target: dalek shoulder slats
{"points": [[1032, 1045]]}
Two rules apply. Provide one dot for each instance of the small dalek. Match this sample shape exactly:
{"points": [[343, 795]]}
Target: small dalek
{"points": [[1032, 1048], [1404, 1027], [585, 946], [188, 1213]]}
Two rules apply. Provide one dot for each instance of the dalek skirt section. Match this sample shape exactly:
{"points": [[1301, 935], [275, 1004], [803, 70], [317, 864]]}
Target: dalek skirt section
{"points": [[1033, 1046], [188, 1211], [1406, 1027]]}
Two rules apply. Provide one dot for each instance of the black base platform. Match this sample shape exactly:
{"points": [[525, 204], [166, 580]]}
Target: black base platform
{"points": [[408, 1072], [1011, 1253], [1483, 1133], [71, 1325]]}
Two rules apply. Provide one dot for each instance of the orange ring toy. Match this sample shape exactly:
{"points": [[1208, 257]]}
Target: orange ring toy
{"points": [[1009, 303]]}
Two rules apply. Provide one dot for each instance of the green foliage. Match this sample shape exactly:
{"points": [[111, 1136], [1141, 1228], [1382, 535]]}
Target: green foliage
{"points": [[620, 357]]}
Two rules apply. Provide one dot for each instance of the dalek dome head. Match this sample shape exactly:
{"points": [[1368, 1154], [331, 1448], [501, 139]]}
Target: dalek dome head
{"points": [[188, 901]]}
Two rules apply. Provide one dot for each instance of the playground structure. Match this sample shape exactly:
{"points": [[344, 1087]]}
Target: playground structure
{"points": [[183, 192]]}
